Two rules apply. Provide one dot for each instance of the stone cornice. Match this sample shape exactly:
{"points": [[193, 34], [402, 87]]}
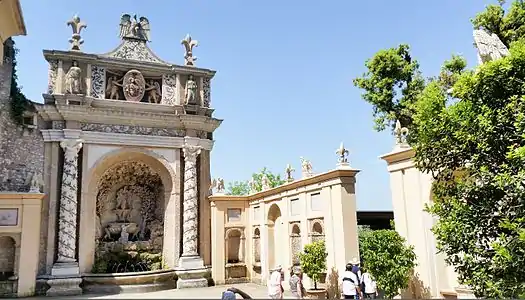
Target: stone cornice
{"points": [[333, 177], [110, 62], [127, 113], [398, 155], [121, 139]]}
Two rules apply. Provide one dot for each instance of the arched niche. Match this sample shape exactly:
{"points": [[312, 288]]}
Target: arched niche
{"points": [[295, 243], [317, 231], [274, 235], [235, 243], [8, 256], [257, 245]]}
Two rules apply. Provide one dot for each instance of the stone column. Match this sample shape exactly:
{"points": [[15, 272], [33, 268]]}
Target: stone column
{"points": [[191, 268], [65, 270]]}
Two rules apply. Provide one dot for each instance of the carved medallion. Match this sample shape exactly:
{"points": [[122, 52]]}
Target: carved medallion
{"points": [[134, 86]]}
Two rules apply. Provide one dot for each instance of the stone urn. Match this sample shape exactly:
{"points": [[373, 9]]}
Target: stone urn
{"points": [[114, 228]]}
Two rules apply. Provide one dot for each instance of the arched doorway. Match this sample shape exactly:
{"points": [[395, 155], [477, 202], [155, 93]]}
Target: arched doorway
{"points": [[274, 232]]}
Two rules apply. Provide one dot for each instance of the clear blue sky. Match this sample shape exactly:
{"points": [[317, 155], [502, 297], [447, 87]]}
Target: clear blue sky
{"points": [[284, 69]]}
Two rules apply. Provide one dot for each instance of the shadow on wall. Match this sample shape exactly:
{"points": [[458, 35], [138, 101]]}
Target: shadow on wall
{"points": [[416, 289], [332, 286]]}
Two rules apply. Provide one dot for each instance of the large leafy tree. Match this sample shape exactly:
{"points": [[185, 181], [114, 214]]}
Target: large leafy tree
{"points": [[241, 188], [313, 261], [475, 150], [388, 258]]}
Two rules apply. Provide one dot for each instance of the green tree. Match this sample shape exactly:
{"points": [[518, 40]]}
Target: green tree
{"points": [[241, 188], [391, 84], [509, 26], [313, 260], [388, 258], [475, 150]]}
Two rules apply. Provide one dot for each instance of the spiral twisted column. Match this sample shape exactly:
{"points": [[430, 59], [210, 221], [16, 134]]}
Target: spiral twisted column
{"points": [[191, 202]]}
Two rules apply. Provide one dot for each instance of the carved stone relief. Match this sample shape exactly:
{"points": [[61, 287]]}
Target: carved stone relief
{"points": [[316, 227], [134, 50], [169, 89], [206, 92], [129, 129], [295, 241], [98, 82], [52, 76], [129, 209]]}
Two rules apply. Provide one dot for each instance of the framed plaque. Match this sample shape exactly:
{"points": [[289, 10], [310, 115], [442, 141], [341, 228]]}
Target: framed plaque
{"points": [[234, 214], [8, 216]]}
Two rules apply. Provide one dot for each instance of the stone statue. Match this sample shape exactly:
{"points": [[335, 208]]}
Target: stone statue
{"points": [[220, 186], [73, 85], [75, 39], [306, 167], [265, 183], [134, 86], [401, 134], [36, 182], [189, 43], [191, 90], [342, 152], [124, 235], [213, 185], [489, 46], [113, 87], [133, 28], [253, 186], [154, 92], [289, 170]]}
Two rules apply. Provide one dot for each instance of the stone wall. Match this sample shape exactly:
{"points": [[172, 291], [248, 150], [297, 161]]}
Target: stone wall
{"points": [[21, 149]]}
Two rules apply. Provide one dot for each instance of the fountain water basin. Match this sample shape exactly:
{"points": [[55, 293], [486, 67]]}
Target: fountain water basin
{"points": [[129, 282]]}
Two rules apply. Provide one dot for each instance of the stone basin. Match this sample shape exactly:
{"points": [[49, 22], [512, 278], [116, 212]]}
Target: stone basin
{"points": [[130, 282]]}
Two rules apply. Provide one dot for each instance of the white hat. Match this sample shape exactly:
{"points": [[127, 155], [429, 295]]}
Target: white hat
{"points": [[354, 261], [278, 268]]}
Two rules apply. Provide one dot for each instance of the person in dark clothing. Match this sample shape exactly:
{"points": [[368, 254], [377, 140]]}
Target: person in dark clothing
{"points": [[229, 294]]}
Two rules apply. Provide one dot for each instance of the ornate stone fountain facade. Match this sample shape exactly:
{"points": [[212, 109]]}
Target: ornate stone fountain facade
{"points": [[127, 172]]}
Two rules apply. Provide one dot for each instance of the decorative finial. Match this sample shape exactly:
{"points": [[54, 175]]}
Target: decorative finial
{"points": [[131, 28], [76, 26], [342, 152], [189, 43], [401, 134], [306, 168], [289, 169], [253, 186]]}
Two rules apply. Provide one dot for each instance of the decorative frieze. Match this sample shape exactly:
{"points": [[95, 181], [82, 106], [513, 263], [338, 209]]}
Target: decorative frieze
{"points": [[191, 202], [52, 76], [67, 233], [98, 82], [129, 129], [206, 92], [169, 89], [134, 50]]}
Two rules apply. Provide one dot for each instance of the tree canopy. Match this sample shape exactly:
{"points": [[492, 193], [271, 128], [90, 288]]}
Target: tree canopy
{"points": [[313, 260], [241, 188], [468, 129]]}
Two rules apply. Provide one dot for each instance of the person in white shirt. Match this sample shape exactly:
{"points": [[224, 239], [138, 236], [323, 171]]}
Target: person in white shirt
{"points": [[349, 284], [275, 287], [370, 286]]}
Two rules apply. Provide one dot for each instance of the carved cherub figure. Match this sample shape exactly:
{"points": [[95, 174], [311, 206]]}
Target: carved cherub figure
{"points": [[191, 90], [154, 91], [220, 185], [73, 85], [289, 170], [112, 87]]}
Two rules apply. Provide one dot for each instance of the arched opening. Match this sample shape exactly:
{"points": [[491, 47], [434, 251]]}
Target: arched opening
{"points": [[234, 247], [130, 203], [7, 257], [257, 245], [317, 233], [274, 229], [295, 244]]}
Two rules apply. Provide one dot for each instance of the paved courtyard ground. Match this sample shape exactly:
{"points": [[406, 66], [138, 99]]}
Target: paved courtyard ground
{"points": [[254, 290]]}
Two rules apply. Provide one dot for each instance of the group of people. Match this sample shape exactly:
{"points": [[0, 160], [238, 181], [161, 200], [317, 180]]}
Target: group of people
{"points": [[355, 283]]}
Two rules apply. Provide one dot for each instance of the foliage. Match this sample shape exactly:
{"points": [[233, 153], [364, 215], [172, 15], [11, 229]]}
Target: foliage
{"points": [[241, 188], [389, 260], [391, 84], [19, 102], [508, 27], [313, 260], [475, 150], [122, 262]]}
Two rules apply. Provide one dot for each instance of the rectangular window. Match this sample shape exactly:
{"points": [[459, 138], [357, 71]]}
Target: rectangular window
{"points": [[234, 215], [315, 202], [256, 213], [295, 208]]}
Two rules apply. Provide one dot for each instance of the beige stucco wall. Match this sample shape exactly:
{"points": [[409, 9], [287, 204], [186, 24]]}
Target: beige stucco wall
{"points": [[411, 192], [26, 234], [11, 22], [336, 213]]}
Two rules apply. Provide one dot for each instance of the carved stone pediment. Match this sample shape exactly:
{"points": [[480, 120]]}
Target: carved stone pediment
{"points": [[135, 50]]}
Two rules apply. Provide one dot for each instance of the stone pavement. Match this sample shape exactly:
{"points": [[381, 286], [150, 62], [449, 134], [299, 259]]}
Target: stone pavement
{"points": [[254, 290]]}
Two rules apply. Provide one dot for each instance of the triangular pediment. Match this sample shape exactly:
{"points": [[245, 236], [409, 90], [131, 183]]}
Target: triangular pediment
{"points": [[135, 49]]}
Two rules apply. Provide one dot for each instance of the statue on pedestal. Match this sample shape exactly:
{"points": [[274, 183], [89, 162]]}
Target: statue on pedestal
{"points": [[73, 84], [191, 90], [133, 28], [289, 170]]}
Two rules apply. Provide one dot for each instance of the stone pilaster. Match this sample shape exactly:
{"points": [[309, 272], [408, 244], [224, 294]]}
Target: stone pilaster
{"points": [[65, 270], [191, 268]]}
